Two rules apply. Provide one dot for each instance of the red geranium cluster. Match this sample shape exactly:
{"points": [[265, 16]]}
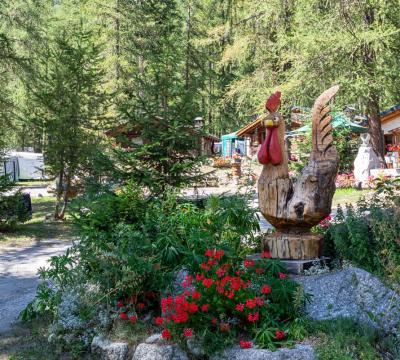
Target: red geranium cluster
{"points": [[128, 307], [225, 296]]}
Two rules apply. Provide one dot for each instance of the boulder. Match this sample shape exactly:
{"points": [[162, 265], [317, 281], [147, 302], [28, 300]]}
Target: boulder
{"points": [[156, 351], [352, 293], [106, 350], [299, 352]]}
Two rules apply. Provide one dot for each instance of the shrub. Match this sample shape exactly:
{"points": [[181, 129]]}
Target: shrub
{"points": [[228, 300], [368, 235], [13, 208], [132, 244]]}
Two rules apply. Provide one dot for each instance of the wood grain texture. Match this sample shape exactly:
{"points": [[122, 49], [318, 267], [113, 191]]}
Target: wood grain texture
{"points": [[296, 207], [293, 246]]}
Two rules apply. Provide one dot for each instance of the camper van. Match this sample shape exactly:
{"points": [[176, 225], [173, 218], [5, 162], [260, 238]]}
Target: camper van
{"points": [[19, 165]]}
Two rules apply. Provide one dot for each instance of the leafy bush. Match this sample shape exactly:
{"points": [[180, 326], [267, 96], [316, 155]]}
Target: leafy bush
{"points": [[368, 235], [131, 244], [229, 299], [13, 208]]}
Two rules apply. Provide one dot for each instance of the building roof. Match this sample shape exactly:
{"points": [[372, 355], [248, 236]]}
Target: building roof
{"points": [[390, 113], [250, 127], [230, 136]]}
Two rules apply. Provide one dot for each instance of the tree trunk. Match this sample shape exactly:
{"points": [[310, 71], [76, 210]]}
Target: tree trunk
{"points": [[375, 128], [59, 193], [66, 197]]}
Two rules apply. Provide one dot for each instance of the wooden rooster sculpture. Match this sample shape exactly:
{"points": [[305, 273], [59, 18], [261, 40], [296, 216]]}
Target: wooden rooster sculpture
{"points": [[293, 208]]}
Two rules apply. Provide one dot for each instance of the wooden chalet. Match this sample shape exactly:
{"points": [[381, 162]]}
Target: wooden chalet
{"points": [[390, 120], [254, 133], [126, 135]]}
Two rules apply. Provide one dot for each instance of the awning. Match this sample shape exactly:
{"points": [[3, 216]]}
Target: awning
{"points": [[340, 120]]}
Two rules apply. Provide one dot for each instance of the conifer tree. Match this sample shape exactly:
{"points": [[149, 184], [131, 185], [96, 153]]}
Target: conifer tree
{"points": [[66, 91], [158, 103]]}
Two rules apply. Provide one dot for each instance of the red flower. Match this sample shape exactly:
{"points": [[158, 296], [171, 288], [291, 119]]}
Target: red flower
{"points": [[133, 319], [120, 304], [245, 344], [199, 277], [195, 295], [180, 318], [251, 303], [248, 263], [211, 262], [192, 308], [236, 283], [279, 334], [166, 303], [187, 281], [187, 332], [266, 289], [259, 301], [219, 254], [207, 282], [123, 316], [253, 317], [205, 307], [140, 306], [282, 275], [214, 320], [166, 334], [259, 271], [266, 255], [220, 272], [209, 253], [239, 307], [159, 320], [204, 266]]}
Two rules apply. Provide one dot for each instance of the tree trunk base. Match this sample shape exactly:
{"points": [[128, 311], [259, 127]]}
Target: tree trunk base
{"points": [[292, 246]]}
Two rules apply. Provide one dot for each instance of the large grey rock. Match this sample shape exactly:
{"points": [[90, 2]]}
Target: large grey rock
{"points": [[352, 293], [159, 352], [299, 352], [106, 350]]}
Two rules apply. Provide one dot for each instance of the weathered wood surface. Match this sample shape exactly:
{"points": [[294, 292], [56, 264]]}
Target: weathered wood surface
{"points": [[302, 246], [308, 201]]}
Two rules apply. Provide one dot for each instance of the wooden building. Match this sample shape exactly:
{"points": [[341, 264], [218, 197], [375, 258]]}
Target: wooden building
{"points": [[126, 135], [254, 133], [390, 120]]}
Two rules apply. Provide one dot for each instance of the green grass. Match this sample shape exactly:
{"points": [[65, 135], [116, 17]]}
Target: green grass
{"points": [[34, 183], [38, 228], [344, 339], [343, 196]]}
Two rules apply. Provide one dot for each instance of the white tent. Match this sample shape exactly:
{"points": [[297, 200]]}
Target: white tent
{"points": [[30, 165]]}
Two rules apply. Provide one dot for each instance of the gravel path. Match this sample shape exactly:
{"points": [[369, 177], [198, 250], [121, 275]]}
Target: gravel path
{"points": [[18, 276]]}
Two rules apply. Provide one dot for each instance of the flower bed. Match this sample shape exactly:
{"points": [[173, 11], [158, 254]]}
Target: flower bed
{"points": [[230, 301]]}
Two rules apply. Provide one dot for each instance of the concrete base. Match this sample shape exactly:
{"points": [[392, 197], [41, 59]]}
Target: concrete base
{"points": [[296, 266]]}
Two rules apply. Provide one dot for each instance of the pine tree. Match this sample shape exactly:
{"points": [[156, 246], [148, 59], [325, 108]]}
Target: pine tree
{"points": [[158, 101], [66, 91]]}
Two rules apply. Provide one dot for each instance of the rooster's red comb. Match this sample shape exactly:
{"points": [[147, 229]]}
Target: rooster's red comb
{"points": [[273, 102]]}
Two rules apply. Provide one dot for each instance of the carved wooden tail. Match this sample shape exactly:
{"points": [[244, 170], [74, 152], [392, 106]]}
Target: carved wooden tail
{"points": [[321, 121]]}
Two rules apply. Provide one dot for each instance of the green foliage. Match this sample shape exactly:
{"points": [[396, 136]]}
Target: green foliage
{"points": [[131, 244], [344, 339], [228, 297], [13, 210], [368, 234]]}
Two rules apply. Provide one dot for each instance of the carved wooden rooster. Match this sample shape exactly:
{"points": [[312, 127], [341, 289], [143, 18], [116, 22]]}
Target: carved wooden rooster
{"points": [[293, 208]]}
